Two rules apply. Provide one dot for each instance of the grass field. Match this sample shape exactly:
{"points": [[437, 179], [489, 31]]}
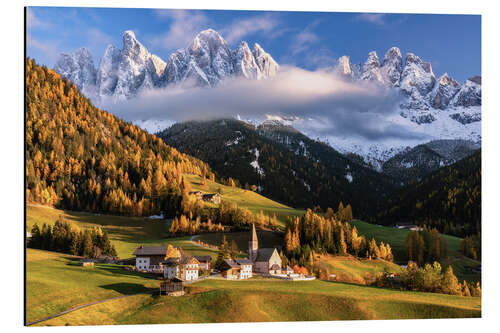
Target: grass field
{"points": [[396, 238], [126, 233], [351, 269], [244, 198], [217, 300]]}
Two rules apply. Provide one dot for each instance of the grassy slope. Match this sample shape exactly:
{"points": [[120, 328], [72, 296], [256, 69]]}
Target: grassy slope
{"points": [[244, 198], [54, 283], [351, 269], [244, 301], [126, 233], [396, 238]]}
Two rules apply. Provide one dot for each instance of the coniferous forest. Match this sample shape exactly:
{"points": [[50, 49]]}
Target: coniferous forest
{"points": [[82, 158], [449, 200]]}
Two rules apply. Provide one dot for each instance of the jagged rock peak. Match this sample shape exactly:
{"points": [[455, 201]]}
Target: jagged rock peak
{"points": [[413, 59], [107, 72], [266, 63], [344, 65], [79, 68], [244, 62], [444, 91], [475, 79], [417, 79], [469, 93], [371, 69], [392, 66]]}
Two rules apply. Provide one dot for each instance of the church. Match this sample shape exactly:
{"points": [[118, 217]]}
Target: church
{"points": [[265, 260]]}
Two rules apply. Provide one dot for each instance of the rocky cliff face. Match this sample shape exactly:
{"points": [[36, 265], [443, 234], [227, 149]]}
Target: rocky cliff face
{"points": [[79, 68], [422, 94]]}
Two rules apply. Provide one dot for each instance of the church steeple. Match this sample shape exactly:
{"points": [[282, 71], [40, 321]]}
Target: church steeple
{"points": [[253, 244]]}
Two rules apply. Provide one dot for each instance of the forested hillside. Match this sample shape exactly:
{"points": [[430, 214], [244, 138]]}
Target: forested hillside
{"points": [[448, 199], [302, 174], [82, 158]]}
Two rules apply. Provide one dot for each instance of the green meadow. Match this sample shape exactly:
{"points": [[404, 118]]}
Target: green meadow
{"points": [[216, 300], [396, 238], [245, 199], [126, 233]]}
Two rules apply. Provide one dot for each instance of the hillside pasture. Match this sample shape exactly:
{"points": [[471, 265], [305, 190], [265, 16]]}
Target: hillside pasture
{"points": [[244, 199], [125, 233], [396, 238], [355, 270], [220, 301]]}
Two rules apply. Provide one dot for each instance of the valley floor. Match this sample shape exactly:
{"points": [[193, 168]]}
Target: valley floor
{"points": [[214, 300], [56, 283]]}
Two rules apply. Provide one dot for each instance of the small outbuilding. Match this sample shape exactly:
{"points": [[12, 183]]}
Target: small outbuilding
{"points": [[172, 287], [86, 262]]}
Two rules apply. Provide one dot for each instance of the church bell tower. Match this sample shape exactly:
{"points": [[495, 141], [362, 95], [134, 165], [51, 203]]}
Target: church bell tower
{"points": [[253, 244]]}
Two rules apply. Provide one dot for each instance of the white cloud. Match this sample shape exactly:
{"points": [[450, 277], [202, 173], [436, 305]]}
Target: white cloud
{"points": [[241, 28], [184, 25], [34, 22], [304, 39], [372, 18], [342, 107], [49, 50]]}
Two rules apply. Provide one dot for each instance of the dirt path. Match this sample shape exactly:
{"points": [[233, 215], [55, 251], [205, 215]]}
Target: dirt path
{"points": [[83, 306]]}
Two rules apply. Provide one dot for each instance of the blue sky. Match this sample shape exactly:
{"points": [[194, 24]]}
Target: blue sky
{"points": [[451, 43]]}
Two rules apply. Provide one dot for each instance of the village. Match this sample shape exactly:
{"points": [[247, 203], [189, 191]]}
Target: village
{"points": [[177, 268]]}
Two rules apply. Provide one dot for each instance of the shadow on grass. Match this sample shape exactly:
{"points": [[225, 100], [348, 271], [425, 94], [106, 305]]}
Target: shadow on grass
{"points": [[125, 288], [117, 269]]}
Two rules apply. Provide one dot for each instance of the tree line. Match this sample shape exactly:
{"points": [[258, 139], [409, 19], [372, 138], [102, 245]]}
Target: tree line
{"points": [[66, 238], [470, 246], [328, 233], [429, 278], [426, 246]]}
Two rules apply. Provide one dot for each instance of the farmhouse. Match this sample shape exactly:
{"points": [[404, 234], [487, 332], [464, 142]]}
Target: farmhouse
{"points": [[208, 197], [205, 262], [212, 197], [149, 258], [246, 267], [230, 269], [184, 267], [265, 260]]}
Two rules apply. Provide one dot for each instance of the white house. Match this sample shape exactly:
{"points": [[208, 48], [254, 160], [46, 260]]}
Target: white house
{"points": [[148, 258], [246, 267], [183, 267]]}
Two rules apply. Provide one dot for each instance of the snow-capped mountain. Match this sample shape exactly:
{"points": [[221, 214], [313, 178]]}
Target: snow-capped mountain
{"points": [[436, 108], [79, 68], [124, 73]]}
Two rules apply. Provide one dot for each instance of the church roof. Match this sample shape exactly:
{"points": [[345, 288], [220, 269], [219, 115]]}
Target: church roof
{"points": [[253, 235], [265, 254], [244, 261]]}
